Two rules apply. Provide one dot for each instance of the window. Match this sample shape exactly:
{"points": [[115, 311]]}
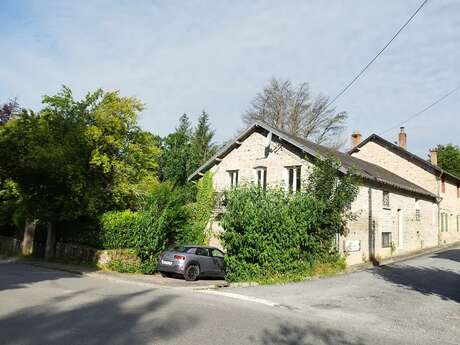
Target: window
{"points": [[217, 253], [444, 221], [202, 252], [386, 199], [261, 177], [294, 179], [233, 174], [417, 210], [386, 239]]}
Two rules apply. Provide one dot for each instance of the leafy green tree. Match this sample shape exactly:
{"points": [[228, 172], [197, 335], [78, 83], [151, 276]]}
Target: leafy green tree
{"points": [[449, 158], [176, 153], [202, 146], [78, 158]]}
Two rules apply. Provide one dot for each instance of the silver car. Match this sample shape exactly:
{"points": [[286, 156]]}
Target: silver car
{"points": [[192, 262]]}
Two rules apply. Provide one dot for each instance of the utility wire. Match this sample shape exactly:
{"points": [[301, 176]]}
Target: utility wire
{"points": [[423, 110], [375, 57]]}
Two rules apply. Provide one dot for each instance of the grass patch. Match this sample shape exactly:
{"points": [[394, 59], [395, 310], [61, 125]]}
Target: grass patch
{"points": [[316, 270]]}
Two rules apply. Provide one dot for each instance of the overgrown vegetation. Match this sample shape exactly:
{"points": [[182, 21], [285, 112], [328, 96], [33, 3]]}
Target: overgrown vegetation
{"points": [[269, 234], [165, 219]]}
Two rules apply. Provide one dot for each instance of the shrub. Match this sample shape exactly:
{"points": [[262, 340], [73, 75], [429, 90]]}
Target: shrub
{"points": [[119, 229], [151, 230], [273, 233], [200, 211]]}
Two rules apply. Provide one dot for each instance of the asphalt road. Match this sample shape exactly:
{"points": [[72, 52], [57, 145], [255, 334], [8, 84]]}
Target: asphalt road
{"points": [[415, 302]]}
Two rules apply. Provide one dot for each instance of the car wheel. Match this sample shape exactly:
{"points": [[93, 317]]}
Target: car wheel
{"points": [[191, 273]]}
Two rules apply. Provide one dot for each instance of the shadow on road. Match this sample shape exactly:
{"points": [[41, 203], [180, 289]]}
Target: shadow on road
{"points": [[123, 319], [18, 275], [287, 334], [453, 254], [426, 280]]}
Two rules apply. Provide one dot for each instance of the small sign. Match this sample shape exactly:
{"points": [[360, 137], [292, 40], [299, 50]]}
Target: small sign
{"points": [[352, 245]]}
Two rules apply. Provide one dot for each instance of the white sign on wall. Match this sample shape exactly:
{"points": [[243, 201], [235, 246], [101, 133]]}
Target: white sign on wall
{"points": [[352, 245]]}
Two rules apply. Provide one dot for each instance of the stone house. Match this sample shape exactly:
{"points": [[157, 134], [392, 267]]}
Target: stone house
{"points": [[423, 172], [393, 215]]}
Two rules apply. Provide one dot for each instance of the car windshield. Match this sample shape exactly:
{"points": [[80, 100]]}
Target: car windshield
{"points": [[183, 249]]}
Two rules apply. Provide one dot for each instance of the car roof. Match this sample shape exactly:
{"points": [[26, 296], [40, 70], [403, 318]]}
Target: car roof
{"points": [[199, 246]]}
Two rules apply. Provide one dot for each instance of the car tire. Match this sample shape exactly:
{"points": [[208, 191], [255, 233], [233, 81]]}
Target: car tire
{"points": [[192, 272]]}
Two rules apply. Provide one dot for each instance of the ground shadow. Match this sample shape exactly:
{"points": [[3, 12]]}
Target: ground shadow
{"points": [[287, 334], [134, 318], [452, 254], [426, 280], [16, 275]]}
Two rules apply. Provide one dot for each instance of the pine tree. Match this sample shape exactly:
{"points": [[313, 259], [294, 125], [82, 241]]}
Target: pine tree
{"points": [[202, 145], [175, 159]]}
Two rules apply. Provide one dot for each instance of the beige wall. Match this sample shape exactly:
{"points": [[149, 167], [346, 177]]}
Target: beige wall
{"points": [[416, 234], [251, 154], [450, 203]]}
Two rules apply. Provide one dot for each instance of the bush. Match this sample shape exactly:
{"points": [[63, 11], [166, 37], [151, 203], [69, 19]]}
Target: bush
{"points": [[150, 231], [272, 233], [118, 229], [199, 212]]}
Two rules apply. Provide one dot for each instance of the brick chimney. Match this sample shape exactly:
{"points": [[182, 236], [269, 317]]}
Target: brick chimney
{"points": [[355, 138], [434, 156], [402, 139]]}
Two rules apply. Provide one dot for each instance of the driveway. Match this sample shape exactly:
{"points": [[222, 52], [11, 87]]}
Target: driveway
{"points": [[415, 302]]}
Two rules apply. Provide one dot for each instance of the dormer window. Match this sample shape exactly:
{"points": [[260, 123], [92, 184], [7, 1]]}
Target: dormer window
{"points": [[261, 177]]}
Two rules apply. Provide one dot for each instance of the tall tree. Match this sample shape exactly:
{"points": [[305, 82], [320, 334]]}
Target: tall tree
{"points": [[292, 109], [77, 158], [449, 158], [175, 159], [202, 145], [8, 110]]}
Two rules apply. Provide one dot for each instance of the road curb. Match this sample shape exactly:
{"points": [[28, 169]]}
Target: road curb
{"points": [[107, 275]]}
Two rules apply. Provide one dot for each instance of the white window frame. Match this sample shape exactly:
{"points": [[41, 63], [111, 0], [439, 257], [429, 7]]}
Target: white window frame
{"points": [[296, 178], [233, 176], [260, 177]]}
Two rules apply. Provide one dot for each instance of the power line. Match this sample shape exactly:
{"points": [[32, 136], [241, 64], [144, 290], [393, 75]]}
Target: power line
{"points": [[375, 57], [424, 109]]}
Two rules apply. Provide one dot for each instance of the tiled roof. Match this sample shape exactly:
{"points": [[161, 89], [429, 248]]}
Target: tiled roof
{"points": [[363, 169]]}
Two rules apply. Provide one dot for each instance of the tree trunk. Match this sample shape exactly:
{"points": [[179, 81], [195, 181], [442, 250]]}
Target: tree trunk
{"points": [[29, 234], [50, 241]]}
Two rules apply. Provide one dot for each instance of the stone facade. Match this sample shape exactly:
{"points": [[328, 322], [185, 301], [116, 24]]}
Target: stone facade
{"points": [[417, 230], [449, 199]]}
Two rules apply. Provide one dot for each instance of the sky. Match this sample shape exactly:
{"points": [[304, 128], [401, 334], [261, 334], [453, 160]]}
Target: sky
{"points": [[188, 56]]}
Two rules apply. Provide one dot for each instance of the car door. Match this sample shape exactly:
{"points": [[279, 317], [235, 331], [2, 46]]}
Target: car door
{"points": [[205, 261], [218, 262]]}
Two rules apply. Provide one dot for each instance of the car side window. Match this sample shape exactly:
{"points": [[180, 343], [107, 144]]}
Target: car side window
{"points": [[217, 253], [202, 252]]}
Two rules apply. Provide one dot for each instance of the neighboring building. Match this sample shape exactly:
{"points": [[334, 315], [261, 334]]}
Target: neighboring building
{"points": [[425, 173], [394, 215]]}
